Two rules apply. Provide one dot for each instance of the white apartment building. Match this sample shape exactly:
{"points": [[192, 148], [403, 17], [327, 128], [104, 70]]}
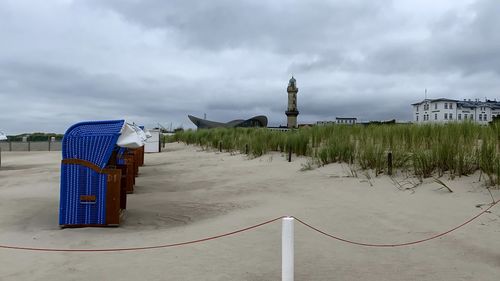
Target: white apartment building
{"points": [[448, 110]]}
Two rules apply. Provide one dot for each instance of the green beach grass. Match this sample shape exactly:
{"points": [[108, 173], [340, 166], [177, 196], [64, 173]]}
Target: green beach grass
{"points": [[456, 149]]}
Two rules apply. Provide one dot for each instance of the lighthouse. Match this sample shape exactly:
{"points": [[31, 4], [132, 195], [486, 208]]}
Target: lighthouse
{"points": [[292, 112]]}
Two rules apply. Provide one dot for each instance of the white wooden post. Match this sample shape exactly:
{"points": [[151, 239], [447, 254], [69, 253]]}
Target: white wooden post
{"points": [[287, 259]]}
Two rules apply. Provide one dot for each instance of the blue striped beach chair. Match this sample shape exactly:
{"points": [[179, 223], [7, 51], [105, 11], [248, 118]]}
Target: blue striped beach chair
{"points": [[90, 189]]}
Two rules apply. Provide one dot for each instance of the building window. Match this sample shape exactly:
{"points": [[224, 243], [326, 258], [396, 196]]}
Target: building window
{"points": [[486, 117], [446, 114], [435, 116], [417, 118], [465, 116], [451, 116], [451, 106], [435, 106], [471, 117], [480, 117], [445, 106], [417, 108], [459, 116]]}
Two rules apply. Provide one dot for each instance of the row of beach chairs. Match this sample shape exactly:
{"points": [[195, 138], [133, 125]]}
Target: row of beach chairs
{"points": [[96, 174]]}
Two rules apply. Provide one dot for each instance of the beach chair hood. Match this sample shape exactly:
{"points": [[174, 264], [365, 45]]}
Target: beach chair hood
{"points": [[131, 136]]}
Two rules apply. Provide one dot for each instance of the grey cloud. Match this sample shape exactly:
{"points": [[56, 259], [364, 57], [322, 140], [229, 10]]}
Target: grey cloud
{"points": [[59, 93], [465, 44], [283, 26], [157, 61]]}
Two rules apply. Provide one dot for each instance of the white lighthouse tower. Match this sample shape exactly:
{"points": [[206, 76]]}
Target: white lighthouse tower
{"points": [[292, 111]]}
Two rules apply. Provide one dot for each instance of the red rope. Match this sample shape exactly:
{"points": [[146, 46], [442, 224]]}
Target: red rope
{"points": [[142, 248], [398, 244], [246, 229]]}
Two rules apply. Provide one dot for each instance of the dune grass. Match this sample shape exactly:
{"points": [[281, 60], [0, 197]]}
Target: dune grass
{"points": [[456, 149]]}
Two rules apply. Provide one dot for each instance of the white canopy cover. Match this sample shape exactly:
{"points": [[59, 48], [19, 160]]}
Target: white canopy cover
{"points": [[131, 136]]}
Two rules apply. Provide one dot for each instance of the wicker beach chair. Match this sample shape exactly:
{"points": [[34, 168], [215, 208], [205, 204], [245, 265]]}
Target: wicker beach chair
{"points": [[90, 188]]}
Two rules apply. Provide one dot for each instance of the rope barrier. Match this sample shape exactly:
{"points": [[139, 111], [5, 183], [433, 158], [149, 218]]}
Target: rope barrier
{"points": [[143, 248], [398, 244], [247, 229]]}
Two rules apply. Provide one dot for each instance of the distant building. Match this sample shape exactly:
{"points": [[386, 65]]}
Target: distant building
{"points": [[325, 123], [257, 121], [339, 120], [445, 110], [346, 120], [305, 125], [292, 112], [280, 129]]}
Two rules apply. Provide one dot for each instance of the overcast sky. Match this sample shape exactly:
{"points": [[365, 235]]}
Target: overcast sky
{"points": [[157, 61]]}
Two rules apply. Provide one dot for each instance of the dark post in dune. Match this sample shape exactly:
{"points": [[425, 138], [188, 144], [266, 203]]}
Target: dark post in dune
{"points": [[389, 163]]}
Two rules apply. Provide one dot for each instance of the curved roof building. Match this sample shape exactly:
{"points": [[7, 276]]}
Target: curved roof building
{"points": [[257, 121]]}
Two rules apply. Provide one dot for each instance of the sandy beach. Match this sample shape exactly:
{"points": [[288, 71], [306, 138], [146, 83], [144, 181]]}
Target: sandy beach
{"points": [[185, 193]]}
